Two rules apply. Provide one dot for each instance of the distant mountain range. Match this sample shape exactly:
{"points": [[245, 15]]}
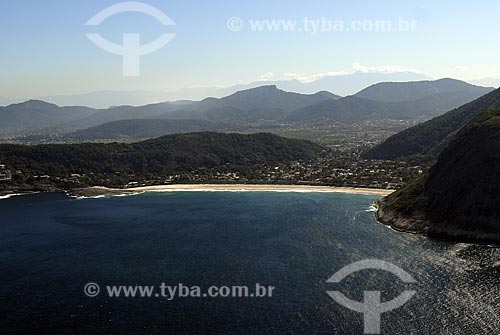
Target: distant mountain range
{"points": [[411, 91], [136, 129], [413, 100], [35, 114], [262, 105], [350, 109], [424, 141], [459, 199], [345, 84]]}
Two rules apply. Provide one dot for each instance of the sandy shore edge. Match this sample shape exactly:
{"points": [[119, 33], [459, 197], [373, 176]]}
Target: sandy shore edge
{"points": [[99, 191]]}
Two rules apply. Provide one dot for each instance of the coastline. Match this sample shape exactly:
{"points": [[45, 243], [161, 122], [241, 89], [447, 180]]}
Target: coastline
{"points": [[418, 225], [402, 223], [7, 196], [99, 191]]}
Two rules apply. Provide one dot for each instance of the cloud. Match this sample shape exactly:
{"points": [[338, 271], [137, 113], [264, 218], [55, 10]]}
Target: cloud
{"points": [[306, 78], [355, 68], [267, 77]]}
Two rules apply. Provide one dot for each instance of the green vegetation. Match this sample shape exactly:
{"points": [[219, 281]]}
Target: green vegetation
{"points": [[460, 196], [115, 164], [409, 198], [425, 141]]}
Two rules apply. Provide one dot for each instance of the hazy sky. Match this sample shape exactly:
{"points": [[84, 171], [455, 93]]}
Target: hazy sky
{"points": [[44, 49]]}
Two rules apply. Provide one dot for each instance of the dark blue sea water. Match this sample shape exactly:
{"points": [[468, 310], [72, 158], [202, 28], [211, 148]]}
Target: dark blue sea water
{"points": [[52, 245]]}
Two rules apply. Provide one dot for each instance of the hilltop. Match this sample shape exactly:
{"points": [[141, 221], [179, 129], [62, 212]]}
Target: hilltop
{"points": [[459, 198], [191, 155], [426, 140]]}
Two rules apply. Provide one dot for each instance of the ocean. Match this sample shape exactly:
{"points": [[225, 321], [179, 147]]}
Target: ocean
{"points": [[52, 246]]}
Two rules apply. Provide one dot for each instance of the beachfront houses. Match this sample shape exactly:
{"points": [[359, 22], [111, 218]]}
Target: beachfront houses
{"points": [[5, 174]]}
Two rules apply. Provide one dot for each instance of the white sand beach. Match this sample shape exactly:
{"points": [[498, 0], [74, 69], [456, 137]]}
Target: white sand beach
{"points": [[258, 188]]}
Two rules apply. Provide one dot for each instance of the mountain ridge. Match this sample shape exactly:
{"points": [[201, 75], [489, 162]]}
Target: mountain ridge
{"points": [[116, 164], [424, 141], [409, 91], [137, 129], [458, 198], [266, 104], [343, 84], [432, 98]]}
